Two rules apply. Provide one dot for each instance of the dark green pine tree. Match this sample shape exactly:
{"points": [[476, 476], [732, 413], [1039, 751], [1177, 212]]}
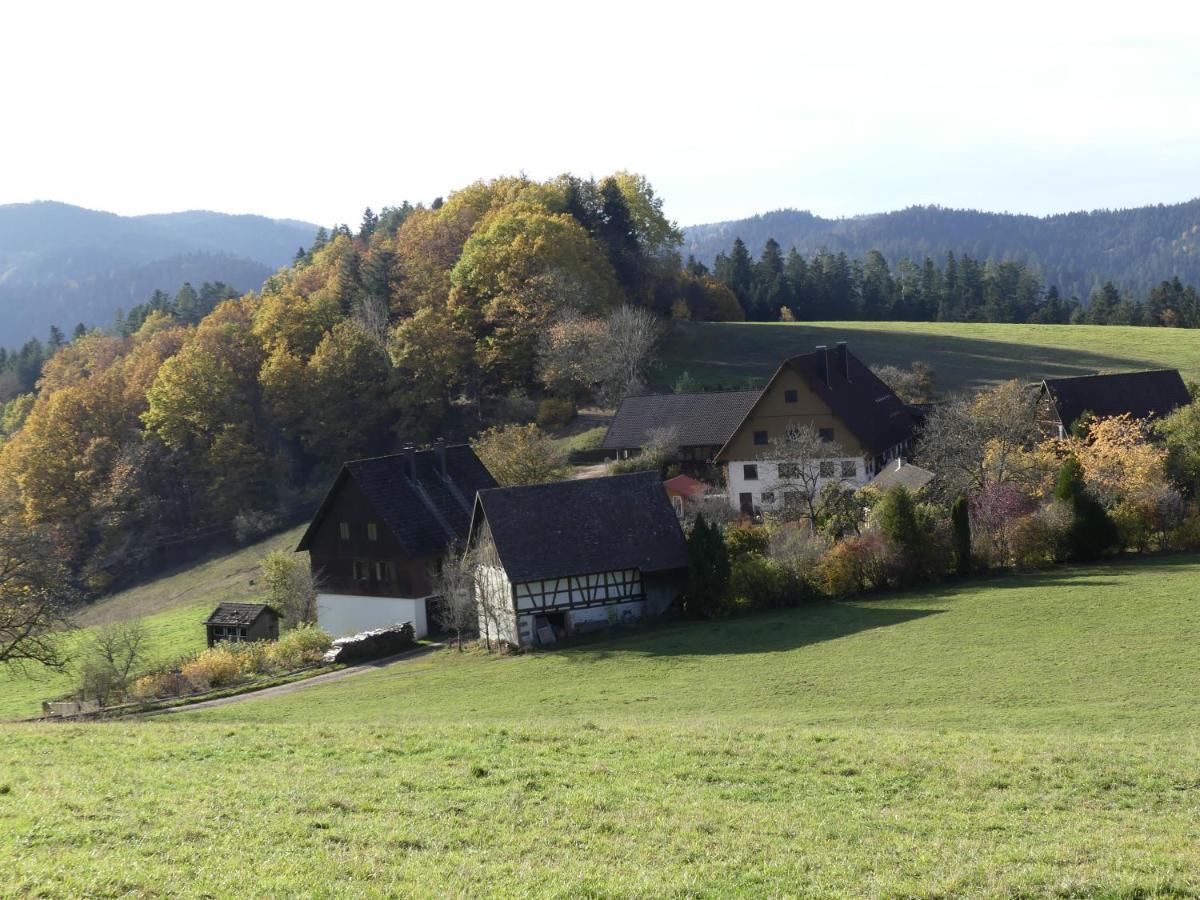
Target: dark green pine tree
{"points": [[708, 570], [80, 331], [186, 306], [740, 275], [57, 339], [369, 222], [1092, 532], [960, 520], [617, 233]]}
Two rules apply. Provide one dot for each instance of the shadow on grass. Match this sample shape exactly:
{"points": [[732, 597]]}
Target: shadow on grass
{"points": [[730, 353], [766, 632]]}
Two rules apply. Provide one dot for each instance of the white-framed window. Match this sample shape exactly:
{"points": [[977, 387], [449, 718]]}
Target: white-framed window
{"points": [[849, 468], [383, 571]]}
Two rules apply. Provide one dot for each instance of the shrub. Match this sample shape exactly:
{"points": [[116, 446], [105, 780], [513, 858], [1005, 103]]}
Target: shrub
{"points": [[215, 667], [555, 412], [301, 646], [160, 686], [1030, 542], [960, 518], [1092, 531], [757, 582], [795, 547], [855, 564], [746, 540], [708, 570]]}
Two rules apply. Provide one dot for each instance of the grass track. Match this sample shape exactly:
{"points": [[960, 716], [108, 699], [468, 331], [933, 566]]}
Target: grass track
{"points": [[963, 355], [1030, 735]]}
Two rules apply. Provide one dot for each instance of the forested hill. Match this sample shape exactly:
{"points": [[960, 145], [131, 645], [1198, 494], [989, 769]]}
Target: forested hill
{"points": [[61, 264], [1077, 252]]}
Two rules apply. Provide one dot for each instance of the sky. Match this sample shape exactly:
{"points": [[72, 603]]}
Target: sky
{"points": [[315, 111]]}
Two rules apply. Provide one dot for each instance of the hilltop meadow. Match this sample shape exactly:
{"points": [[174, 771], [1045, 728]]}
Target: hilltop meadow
{"points": [[964, 356], [1016, 736]]}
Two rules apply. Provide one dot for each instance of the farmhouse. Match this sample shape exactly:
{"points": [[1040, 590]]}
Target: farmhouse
{"points": [[571, 556], [700, 423], [1142, 395], [238, 622], [833, 392], [381, 530]]}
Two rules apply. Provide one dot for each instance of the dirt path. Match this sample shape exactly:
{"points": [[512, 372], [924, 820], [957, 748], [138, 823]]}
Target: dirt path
{"points": [[284, 689]]}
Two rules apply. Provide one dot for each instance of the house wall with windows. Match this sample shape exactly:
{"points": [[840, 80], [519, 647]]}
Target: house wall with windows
{"points": [[759, 485]]}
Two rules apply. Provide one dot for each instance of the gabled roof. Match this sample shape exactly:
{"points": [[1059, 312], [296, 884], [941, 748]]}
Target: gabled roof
{"points": [[854, 394], [1143, 395], [243, 614], [425, 514], [582, 527], [901, 473], [699, 419]]}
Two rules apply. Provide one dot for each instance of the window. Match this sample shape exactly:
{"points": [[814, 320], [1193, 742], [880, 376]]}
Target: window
{"points": [[242, 632], [827, 468], [218, 631], [849, 468], [362, 570], [344, 530], [789, 470], [372, 531], [826, 435], [791, 500], [790, 397], [383, 571], [760, 438], [750, 472], [768, 497]]}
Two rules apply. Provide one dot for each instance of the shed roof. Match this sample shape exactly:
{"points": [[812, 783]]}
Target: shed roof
{"points": [[700, 420], [1143, 395], [901, 473], [583, 526], [426, 513], [243, 614]]}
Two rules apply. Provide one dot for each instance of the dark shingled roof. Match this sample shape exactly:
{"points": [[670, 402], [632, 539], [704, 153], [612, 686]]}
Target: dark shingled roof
{"points": [[583, 526], [855, 395], [1144, 395], [699, 419], [238, 613], [425, 515]]}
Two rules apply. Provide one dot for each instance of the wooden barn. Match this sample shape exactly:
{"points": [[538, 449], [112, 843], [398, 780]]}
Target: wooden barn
{"points": [[240, 622], [1141, 395], [701, 424], [573, 556], [382, 529]]}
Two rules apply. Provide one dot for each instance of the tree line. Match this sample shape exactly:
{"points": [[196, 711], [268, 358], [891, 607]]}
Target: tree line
{"points": [[831, 285]]}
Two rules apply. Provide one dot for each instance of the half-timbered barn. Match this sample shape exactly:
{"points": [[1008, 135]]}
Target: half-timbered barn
{"points": [[572, 556], [382, 529], [1141, 395]]}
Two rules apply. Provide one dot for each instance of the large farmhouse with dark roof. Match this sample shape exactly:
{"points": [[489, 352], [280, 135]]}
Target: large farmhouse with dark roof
{"points": [[382, 528], [569, 556], [701, 423], [1141, 395], [833, 392]]}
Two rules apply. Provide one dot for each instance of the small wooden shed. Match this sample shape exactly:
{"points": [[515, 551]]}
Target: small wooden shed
{"points": [[238, 622]]}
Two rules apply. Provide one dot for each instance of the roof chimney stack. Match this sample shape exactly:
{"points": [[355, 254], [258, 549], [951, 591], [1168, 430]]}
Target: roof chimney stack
{"points": [[823, 363], [409, 452], [844, 358], [439, 448]]}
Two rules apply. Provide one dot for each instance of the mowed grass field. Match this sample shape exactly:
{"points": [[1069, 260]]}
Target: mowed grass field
{"points": [[1021, 736], [171, 607], [964, 356]]}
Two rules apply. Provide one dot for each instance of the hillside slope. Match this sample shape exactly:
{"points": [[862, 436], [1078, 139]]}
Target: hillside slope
{"points": [[61, 264], [1022, 736], [964, 356], [1135, 248]]}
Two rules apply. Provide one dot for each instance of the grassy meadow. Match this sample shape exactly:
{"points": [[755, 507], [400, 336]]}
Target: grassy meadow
{"points": [[964, 356], [1020, 736], [171, 607]]}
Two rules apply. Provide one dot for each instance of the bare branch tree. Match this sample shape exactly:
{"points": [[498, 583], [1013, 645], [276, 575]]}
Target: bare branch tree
{"points": [[625, 354], [114, 655], [371, 315], [454, 583], [804, 461]]}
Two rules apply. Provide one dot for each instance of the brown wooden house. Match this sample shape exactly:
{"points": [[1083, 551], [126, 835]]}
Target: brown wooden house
{"points": [[382, 529], [240, 622], [1141, 395]]}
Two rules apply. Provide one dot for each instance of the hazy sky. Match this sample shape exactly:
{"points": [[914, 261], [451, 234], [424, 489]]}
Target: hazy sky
{"points": [[315, 111]]}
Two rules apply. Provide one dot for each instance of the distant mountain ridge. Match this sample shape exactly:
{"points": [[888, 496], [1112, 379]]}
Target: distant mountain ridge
{"points": [[1135, 248], [63, 264]]}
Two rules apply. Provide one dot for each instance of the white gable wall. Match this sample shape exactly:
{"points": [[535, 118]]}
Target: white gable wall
{"points": [[345, 614]]}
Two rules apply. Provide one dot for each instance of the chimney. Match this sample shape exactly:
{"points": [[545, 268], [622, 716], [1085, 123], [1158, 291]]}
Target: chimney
{"points": [[843, 356], [409, 453], [439, 448], [823, 363]]}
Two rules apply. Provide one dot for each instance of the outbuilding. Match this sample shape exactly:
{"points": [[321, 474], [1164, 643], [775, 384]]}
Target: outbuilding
{"points": [[240, 622], [574, 556]]}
